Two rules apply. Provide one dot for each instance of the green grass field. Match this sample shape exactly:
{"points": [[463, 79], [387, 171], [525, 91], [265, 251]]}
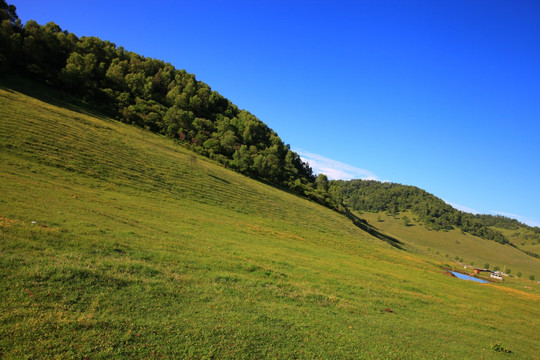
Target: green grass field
{"points": [[117, 243], [449, 245], [523, 238]]}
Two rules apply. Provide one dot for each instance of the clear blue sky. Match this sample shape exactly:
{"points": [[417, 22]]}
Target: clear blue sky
{"points": [[443, 95]]}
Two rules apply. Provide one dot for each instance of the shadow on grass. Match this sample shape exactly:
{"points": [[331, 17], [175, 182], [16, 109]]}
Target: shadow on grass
{"points": [[364, 225], [219, 179], [52, 96], [358, 222], [68, 101]]}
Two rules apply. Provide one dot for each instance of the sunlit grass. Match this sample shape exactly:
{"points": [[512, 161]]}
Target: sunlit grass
{"points": [[141, 249], [455, 246], [524, 239]]}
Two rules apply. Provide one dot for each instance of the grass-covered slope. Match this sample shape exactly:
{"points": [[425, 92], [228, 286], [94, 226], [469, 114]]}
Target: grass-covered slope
{"points": [[433, 212], [455, 246], [153, 95], [141, 249], [524, 238]]}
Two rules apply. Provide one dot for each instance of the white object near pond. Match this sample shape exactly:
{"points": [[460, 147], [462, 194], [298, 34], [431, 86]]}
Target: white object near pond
{"points": [[496, 276]]}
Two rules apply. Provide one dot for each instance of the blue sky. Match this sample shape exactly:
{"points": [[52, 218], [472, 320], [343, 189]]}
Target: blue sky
{"points": [[441, 95]]}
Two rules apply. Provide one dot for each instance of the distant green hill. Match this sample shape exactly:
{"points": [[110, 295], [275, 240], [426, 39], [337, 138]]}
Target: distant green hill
{"points": [[117, 243], [434, 213], [453, 246]]}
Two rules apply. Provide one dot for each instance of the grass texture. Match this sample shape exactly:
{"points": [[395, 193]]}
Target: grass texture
{"points": [[117, 243]]}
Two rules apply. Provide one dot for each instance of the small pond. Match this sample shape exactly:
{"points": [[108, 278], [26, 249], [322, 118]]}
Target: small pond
{"points": [[467, 277]]}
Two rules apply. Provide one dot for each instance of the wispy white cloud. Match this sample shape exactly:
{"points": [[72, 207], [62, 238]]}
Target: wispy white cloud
{"points": [[334, 169], [337, 170], [462, 208], [523, 219], [506, 214]]}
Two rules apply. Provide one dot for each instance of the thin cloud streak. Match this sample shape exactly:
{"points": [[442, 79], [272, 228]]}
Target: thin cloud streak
{"points": [[462, 208], [337, 170], [530, 222], [522, 219], [334, 169]]}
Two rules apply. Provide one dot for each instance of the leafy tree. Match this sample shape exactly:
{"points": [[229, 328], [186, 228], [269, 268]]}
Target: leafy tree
{"points": [[8, 12], [406, 220], [10, 36], [115, 74], [78, 73], [531, 277], [176, 121], [242, 160], [228, 142], [321, 182], [213, 145], [9, 45], [518, 274]]}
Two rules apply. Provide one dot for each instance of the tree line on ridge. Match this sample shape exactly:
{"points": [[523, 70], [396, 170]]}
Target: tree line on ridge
{"points": [[154, 95]]}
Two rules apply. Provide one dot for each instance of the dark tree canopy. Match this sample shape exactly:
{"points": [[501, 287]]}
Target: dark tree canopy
{"points": [[8, 12]]}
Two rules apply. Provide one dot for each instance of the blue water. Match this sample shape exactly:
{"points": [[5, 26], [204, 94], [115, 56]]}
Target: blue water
{"points": [[467, 277]]}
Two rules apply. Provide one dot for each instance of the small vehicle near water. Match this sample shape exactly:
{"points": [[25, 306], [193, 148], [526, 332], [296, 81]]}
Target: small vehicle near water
{"points": [[496, 276]]}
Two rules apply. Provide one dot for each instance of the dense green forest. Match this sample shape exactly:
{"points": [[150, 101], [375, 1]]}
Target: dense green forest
{"points": [[375, 196], [156, 96]]}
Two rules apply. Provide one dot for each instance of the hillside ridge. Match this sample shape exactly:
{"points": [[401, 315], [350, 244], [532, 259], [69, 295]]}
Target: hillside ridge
{"points": [[154, 95], [115, 242], [431, 211]]}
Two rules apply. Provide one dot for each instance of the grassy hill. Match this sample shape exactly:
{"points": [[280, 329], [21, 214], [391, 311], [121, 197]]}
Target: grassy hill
{"points": [[455, 246], [433, 212], [116, 242], [524, 239]]}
